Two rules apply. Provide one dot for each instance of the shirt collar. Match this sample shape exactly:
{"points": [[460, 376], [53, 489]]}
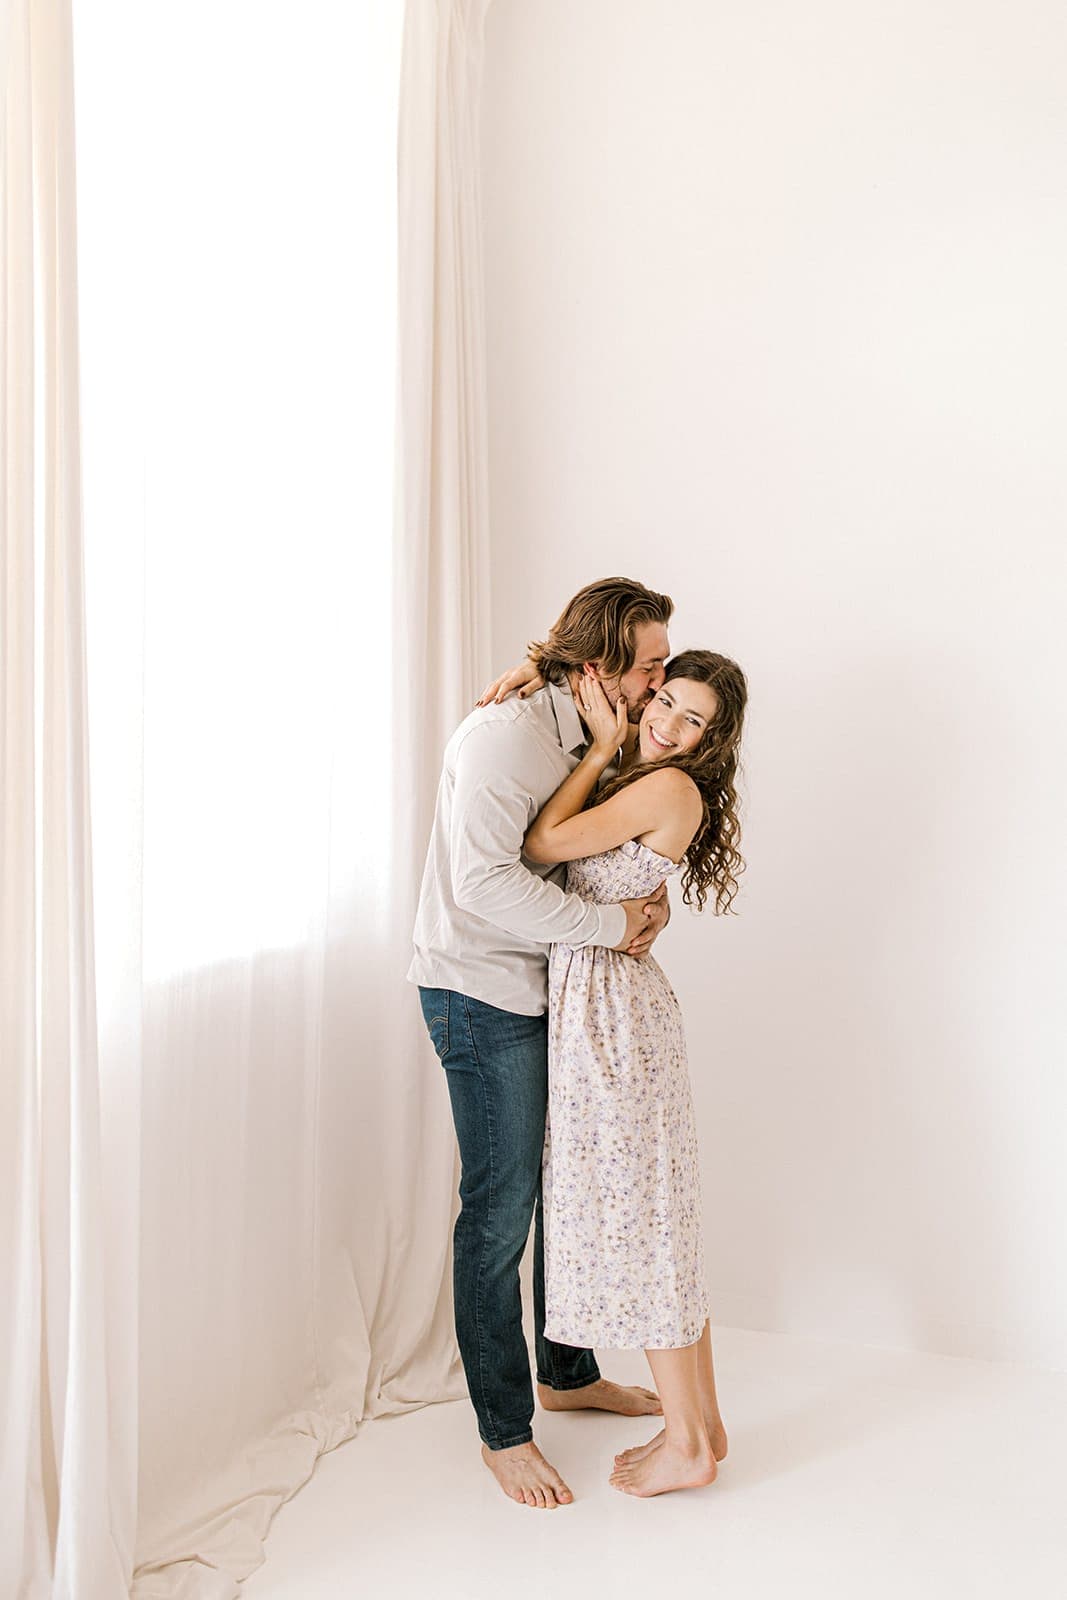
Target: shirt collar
{"points": [[572, 734]]}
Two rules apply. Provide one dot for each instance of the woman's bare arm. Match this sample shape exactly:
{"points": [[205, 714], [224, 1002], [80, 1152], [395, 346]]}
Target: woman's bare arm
{"points": [[523, 680], [664, 807]]}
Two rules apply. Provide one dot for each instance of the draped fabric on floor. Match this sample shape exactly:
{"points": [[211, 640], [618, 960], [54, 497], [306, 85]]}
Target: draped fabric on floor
{"points": [[228, 1162]]}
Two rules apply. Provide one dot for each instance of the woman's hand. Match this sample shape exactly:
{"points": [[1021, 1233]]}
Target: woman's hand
{"points": [[631, 749], [607, 724], [525, 678]]}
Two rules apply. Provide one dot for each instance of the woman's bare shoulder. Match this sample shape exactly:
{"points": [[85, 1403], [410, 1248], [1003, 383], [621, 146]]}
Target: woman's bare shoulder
{"points": [[673, 807], [670, 786]]}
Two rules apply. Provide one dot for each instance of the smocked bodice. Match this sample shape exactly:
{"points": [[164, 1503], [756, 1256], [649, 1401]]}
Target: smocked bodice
{"points": [[625, 873]]}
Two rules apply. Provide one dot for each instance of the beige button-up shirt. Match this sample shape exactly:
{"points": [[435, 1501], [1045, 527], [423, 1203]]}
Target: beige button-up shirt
{"points": [[487, 915]]}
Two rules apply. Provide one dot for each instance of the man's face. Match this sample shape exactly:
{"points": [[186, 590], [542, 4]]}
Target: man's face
{"points": [[651, 649]]}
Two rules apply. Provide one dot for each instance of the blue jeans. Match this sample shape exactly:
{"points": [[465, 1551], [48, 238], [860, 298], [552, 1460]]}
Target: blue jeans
{"points": [[496, 1064]]}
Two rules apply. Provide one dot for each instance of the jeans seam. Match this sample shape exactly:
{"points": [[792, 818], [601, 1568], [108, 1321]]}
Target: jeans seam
{"points": [[544, 1284], [485, 1231]]}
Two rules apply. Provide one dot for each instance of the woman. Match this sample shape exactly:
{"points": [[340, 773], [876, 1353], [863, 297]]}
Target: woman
{"points": [[624, 1261]]}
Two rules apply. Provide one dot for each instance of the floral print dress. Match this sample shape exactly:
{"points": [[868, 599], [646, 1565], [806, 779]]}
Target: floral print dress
{"points": [[624, 1255]]}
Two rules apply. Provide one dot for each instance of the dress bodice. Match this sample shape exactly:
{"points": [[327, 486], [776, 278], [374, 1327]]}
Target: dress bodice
{"points": [[624, 873]]}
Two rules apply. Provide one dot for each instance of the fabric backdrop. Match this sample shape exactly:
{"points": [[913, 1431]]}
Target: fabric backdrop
{"points": [[60, 1457], [272, 676]]}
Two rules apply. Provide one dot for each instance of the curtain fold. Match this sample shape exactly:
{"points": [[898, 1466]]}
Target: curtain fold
{"points": [[24, 1557], [69, 1492], [442, 558]]}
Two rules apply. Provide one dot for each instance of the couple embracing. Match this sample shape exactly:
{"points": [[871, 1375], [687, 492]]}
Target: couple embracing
{"points": [[561, 814]]}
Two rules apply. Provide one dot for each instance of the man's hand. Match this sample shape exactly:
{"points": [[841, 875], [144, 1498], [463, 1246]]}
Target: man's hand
{"points": [[657, 914], [645, 918]]}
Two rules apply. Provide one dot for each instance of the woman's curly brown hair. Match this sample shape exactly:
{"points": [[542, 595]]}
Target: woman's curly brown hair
{"points": [[713, 859]]}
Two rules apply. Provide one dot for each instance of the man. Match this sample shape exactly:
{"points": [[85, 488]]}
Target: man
{"points": [[486, 919]]}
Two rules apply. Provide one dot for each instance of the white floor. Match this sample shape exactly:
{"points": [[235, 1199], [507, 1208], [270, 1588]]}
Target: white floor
{"points": [[853, 1472]]}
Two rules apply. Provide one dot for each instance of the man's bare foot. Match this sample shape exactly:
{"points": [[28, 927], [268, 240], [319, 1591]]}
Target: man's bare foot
{"points": [[524, 1475], [638, 1452], [602, 1396], [665, 1468]]}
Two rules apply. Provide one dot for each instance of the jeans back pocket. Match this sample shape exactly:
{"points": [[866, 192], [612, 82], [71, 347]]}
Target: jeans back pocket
{"points": [[435, 1009]]}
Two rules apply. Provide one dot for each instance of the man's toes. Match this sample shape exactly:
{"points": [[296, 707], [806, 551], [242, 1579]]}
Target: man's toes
{"points": [[557, 1487]]}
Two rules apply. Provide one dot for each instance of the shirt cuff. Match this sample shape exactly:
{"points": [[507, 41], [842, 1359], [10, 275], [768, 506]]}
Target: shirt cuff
{"points": [[612, 926]]}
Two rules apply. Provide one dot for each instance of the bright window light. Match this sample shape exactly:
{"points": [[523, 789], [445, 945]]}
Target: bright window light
{"points": [[238, 315]]}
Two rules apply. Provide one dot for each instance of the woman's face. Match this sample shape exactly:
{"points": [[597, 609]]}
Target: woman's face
{"points": [[675, 719]]}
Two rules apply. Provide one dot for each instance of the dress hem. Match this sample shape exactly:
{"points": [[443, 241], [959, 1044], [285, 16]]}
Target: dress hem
{"points": [[590, 1340]]}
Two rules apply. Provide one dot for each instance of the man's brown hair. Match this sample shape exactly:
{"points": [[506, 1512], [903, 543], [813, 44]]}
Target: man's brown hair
{"points": [[599, 624]]}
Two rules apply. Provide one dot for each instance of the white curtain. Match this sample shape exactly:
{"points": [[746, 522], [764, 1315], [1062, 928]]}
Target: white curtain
{"points": [[442, 618], [66, 1489], [263, 1263]]}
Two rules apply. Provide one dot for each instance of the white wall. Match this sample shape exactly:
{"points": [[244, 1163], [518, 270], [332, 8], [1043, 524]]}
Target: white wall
{"points": [[776, 324]]}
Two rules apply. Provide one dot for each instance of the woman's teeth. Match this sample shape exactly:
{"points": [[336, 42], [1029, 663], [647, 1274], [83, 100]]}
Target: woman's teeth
{"points": [[661, 744]]}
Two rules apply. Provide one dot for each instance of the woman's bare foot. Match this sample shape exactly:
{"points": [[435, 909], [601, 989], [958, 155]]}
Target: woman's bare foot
{"points": [[602, 1396], [524, 1475], [638, 1452], [665, 1468]]}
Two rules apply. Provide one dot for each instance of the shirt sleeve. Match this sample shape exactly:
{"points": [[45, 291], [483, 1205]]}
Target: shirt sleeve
{"points": [[497, 773]]}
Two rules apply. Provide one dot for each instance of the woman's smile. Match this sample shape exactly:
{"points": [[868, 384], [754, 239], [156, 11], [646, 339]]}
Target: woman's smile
{"points": [[663, 745]]}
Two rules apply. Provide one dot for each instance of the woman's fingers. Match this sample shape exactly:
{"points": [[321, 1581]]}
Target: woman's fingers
{"points": [[524, 678], [607, 723], [531, 686]]}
